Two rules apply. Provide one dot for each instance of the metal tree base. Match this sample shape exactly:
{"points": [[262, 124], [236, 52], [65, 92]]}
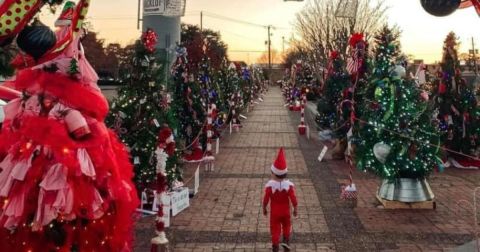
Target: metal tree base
{"points": [[406, 190]]}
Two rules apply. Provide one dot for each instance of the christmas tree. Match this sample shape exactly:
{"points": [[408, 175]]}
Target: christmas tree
{"points": [[457, 108], [73, 68], [187, 107], [141, 108], [230, 84], [337, 81], [209, 98], [394, 137]]}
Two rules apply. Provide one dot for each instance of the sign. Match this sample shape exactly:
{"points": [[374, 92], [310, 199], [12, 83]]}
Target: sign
{"points": [[168, 8], [322, 154], [197, 181], [196, 185], [180, 201], [347, 9]]}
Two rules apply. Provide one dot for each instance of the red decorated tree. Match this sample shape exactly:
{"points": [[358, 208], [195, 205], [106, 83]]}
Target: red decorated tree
{"points": [[66, 180]]}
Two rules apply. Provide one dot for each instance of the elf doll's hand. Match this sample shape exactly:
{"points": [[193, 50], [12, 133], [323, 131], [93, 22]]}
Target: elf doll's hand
{"points": [[265, 211], [295, 213]]}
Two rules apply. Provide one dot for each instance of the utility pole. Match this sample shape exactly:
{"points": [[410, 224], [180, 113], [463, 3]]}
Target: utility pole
{"points": [[283, 44], [139, 19], [201, 21], [474, 54], [269, 52]]}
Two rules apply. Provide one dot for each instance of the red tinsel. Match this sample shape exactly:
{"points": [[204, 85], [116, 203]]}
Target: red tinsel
{"points": [[356, 38], [21, 135], [149, 39], [70, 92]]}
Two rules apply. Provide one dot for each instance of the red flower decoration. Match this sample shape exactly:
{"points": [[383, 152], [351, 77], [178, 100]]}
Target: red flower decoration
{"points": [[356, 38], [149, 39], [333, 55]]}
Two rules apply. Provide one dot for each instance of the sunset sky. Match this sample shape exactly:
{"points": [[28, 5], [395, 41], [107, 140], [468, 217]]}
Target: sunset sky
{"points": [[422, 35]]}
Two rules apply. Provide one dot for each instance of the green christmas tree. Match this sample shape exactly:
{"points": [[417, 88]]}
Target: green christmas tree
{"points": [[336, 82], [73, 69], [229, 84], [139, 111], [456, 105], [394, 138], [187, 104]]}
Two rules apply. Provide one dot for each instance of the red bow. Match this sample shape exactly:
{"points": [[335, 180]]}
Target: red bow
{"points": [[333, 55], [356, 38]]}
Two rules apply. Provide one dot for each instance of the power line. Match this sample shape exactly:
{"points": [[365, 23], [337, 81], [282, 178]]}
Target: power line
{"points": [[213, 15], [246, 51], [238, 35]]}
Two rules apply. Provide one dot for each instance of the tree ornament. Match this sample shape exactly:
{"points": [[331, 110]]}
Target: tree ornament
{"points": [[73, 69], [425, 96], [440, 8], [442, 88], [400, 71], [67, 14], [150, 39], [36, 40], [15, 15], [381, 151], [378, 93]]}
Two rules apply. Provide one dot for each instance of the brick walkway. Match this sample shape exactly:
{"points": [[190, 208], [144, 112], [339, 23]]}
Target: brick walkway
{"points": [[226, 214]]}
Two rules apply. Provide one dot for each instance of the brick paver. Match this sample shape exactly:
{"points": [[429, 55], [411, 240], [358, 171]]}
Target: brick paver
{"points": [[226, 214], [229, 202]]}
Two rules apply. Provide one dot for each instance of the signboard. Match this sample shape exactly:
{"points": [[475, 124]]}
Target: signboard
{"points": [[180, 201], [347, 9], [168, 8], [196, 184], [322, 154]]}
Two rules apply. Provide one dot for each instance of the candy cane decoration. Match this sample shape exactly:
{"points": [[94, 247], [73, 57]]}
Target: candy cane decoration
{"points": [[302, 127], [209, 158], [235, 120], [349, 192], [291, 99], [166, 148]]}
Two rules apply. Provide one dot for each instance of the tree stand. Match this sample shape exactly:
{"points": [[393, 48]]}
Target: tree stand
{"points": [[406, 193]]}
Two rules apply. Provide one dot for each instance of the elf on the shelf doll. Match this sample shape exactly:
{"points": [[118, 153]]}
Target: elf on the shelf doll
{"points": [[280, 192]]}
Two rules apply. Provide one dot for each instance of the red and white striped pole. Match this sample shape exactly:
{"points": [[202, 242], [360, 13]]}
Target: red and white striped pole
{"points": [[209, 158], [236, 123], [165, 148], [302, 128]]}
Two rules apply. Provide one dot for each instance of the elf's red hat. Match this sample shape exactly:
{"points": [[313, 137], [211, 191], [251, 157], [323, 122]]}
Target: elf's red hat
{"points": [[279, 167]]}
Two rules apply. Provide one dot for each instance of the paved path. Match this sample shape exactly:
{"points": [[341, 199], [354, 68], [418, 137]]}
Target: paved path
{"points": [[226, 214]]}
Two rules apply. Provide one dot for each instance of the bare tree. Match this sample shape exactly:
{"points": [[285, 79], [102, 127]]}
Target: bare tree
{"points": [[320, 30]]}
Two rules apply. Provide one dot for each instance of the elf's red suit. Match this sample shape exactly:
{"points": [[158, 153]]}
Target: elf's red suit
{"points": [[280, 194]]}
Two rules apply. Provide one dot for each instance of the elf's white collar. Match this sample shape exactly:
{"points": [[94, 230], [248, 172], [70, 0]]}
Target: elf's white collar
{"points": [[279, 185]]}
